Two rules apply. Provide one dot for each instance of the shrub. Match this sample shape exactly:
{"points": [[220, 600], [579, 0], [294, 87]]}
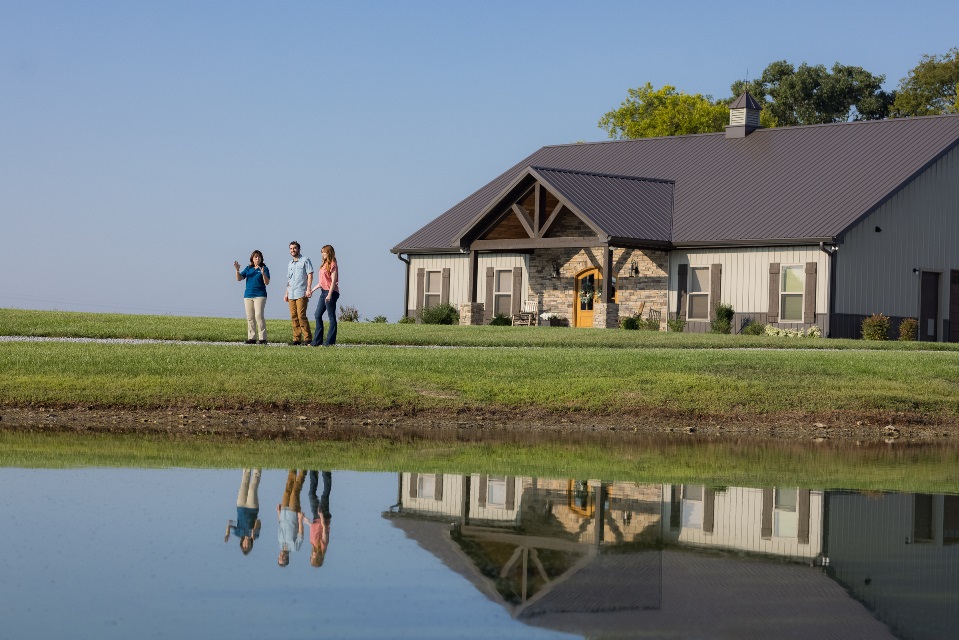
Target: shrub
{"points": [[812, 332], [349, 314], [649, 324], [630, 323], [440, 314], [754, 329], [676, 324], [501, 320], [407, 320], [724, 319], [377, 319], [875, 327], [909, 330]]}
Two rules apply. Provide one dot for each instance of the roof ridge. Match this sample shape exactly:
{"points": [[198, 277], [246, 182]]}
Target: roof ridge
{"points": [[602, 175]]}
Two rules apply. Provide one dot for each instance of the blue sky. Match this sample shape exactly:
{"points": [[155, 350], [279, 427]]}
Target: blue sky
{"points": [[145, 146]]}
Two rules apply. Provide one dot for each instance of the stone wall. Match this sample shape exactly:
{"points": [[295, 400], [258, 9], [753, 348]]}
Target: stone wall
{"points": [[556, 294], [472, 313]]}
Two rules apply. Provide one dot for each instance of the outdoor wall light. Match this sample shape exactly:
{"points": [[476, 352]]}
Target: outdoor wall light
{"points": [[633, 269], [555, 271], [915, 270], [878, 229]]}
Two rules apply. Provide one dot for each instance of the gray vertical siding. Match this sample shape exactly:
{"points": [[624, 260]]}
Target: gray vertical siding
{"points": [[920, 230]]}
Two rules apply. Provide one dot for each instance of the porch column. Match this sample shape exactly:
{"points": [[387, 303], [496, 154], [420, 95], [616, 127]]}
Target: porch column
{"points": [[607, 273]]}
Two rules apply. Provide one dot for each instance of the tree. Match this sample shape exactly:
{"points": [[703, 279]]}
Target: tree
{"points": [[816, 95], [930, 88], [649, 113]]}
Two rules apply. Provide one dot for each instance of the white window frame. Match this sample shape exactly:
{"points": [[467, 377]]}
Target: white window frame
{"points": [[785, 517], [432, 298], [784, 295], [499, 295], [426, 486], [697, 294]]}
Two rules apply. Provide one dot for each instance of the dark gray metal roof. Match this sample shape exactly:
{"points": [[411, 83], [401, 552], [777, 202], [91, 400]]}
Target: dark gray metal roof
{"points": [[788, 184], [622, 206], [745, 101]]}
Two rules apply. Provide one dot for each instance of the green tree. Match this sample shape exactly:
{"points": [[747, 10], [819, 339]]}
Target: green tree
{"points": [[649, 113], [930, 88], [815, 95]]}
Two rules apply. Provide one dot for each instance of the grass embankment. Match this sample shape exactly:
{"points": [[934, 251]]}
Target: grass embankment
{"points": [[926, 469], [599, 380], [17, 322], [604, 380]]}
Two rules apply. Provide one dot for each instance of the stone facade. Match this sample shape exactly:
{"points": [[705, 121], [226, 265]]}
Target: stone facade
{"points": [[552, 280], [472, 313]]}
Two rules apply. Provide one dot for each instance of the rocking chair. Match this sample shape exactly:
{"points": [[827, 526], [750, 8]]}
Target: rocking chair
{"points": [[527, 317]]}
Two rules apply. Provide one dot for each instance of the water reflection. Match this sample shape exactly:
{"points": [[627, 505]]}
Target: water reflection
{"points": [[470, 556], [605, 559], [247, 525]]}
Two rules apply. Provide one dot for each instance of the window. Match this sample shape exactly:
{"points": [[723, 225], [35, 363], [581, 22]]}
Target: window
{"points": [[503, 292], [496, 491], [693, 506], [433, 288], [785, 514], [426, 486], [698, 294], [791, 283]]}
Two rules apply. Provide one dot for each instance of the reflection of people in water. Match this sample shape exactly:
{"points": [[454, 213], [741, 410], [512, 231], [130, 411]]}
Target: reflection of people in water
{"points": [[320, 527], [247, 525], [289, 517]]}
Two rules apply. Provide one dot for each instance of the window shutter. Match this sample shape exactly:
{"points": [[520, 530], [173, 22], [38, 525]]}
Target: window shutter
{"points": [[414, 479], [675, 507], [445, 290], [682, 289], [510, 492], [772, 314], [490, 277], [420, 284], [803, 515], [516, 300], [767, 522], [809, 294], [715, 288], [709, 510], [483, 490], [438, 491]]}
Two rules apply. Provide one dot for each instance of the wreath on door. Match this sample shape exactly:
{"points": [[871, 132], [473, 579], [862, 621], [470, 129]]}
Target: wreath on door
{"points": [[586, 292]]}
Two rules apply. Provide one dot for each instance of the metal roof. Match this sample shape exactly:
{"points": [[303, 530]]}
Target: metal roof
{"points": [[782, 185]]}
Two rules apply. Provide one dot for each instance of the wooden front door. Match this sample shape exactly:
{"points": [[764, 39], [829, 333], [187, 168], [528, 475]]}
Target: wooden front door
{"points": [[589, 285]]}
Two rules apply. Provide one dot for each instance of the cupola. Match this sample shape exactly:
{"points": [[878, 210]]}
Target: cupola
{"points": [[743, 116]]}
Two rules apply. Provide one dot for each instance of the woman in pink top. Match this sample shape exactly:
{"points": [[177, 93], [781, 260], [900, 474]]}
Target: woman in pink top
{"points": [[329, 287]]}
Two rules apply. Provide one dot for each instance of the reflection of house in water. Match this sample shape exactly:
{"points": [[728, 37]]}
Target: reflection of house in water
{"points": [[899, 554], [616, 559], [782, 522]]}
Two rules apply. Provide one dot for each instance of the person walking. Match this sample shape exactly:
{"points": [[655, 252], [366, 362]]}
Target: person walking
{"points": [[257, 276], [329, 287], [247, 525], [299, 287], [289, 517], [320, 526]]}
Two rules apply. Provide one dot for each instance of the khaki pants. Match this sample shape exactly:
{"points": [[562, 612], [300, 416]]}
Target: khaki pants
{"points": [[249, 483], [294, 484], [301, 326], [254, 317]]}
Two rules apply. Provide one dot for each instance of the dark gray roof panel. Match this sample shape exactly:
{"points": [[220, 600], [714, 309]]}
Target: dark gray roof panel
{"points": [[790, 183], [745, 101], [623, 207]]}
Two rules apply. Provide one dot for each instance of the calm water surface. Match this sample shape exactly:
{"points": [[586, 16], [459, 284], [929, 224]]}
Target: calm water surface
{"points": [[122, 553]]}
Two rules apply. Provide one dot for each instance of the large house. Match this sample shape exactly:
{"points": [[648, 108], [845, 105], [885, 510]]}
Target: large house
{"points": [[796, 226]]}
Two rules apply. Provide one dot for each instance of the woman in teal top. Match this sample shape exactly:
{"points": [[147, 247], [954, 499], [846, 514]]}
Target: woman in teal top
{"points": [[257, 276]]}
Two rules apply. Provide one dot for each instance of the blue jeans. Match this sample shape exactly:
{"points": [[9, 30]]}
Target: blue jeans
{"points": [[326, 304]]}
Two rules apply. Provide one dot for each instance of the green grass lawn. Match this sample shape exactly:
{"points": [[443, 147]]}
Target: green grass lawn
{"points": [[17, 322]]}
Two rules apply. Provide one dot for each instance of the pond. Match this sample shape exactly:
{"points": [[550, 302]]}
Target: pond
{"points": [[161, 553]]}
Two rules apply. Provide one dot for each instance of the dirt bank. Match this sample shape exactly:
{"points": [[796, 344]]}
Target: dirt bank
{"points": [[317, 423]]}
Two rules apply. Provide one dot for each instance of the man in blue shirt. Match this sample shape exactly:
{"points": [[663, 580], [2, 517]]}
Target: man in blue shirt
{"points": [[299, 281]]}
